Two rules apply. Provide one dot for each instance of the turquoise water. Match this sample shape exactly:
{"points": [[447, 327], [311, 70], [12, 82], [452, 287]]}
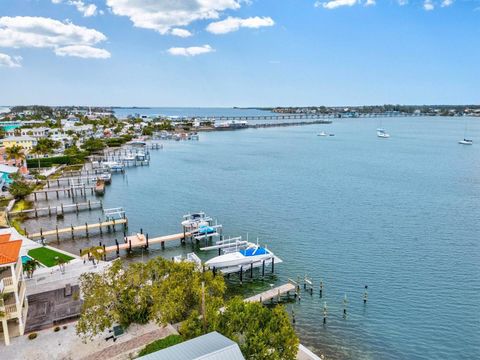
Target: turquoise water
{"points": [[25, 259], [400, 215]]}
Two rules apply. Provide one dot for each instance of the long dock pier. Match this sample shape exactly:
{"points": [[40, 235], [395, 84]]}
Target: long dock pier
{"points": [[72, 180], [275, 293], [298, 123], [70, 191], [59, 209], [84, 228]]}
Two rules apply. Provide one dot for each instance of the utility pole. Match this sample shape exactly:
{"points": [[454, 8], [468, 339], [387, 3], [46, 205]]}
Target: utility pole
{"points": [[204, 315]]}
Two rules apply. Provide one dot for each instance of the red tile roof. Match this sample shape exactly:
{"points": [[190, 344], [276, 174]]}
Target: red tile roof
{"points": [[9, 251], [5, 237]]}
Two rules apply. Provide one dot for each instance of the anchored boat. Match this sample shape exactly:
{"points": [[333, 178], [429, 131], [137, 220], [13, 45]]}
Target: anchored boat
{"points": [[381, 133], [100, 187], [466, 142]]}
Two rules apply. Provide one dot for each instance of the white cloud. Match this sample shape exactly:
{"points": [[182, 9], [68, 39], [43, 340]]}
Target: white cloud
{"points": [[181, 32], [190, 51], [86, 9], [9, 61], [446, 3], [402, 2], [428, 5], [333, 4], [370, 3], [233, 24], [162, 16], [82, 51], [40, 32]]}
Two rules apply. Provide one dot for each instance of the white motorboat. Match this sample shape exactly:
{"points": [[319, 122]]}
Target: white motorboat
{"points": [[466, 142], [113, 165], [322, 133], [237, 257], [381, 133], [195, 220]]}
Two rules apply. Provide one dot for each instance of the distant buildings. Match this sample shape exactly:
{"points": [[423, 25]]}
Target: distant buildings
{"points": [[26, 142]]}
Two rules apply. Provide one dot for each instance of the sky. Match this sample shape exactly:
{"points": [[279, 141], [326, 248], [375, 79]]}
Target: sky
{"points": [[223, 53]]}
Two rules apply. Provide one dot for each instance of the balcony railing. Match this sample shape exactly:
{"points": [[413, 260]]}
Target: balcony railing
{"points": [[7, 284], [9, 311]]}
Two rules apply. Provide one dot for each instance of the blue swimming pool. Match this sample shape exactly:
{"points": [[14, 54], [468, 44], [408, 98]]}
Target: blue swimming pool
{"points": [[25, 258]]}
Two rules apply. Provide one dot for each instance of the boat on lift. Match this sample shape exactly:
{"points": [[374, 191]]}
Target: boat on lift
{"points": [[196, 220], [106, 177], [238, 256]]}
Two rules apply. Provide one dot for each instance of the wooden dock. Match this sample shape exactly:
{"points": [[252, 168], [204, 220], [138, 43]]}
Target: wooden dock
{"points": [[274, 294], [70, 191], [59, 209], [86, 228], [142, 240]]}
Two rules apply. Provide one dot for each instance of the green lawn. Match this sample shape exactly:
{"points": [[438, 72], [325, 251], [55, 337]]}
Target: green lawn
{"points": [[161, 344], [47, 256]]}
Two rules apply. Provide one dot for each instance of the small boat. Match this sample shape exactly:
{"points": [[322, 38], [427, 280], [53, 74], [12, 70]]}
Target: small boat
{"points": [[100, 187], [195, 220], [331, 134], [466, 142], [113, 166], [106, 177], [381, 133], [129, 158], [251, 253], [322, 133]]}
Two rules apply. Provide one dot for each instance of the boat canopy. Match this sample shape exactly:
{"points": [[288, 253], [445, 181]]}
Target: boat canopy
{"points": [[253, 251]]}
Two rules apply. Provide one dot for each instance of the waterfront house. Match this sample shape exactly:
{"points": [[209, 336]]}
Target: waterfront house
{"points": [[5, 160], [26, 142], [6, 173], [13, 300]]}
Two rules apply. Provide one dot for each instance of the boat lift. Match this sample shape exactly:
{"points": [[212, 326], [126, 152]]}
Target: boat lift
{"points": [[114, 213]]}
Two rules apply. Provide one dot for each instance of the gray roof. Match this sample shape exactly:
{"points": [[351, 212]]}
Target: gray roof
{"points": [[212, 346]]}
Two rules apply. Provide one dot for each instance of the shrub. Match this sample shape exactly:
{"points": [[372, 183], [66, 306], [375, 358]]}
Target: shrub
{"points": [[161, 344], [56, 328], [64, 327], [32, 336]]}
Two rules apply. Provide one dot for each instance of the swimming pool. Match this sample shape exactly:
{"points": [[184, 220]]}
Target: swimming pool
{"points": [[25, 258]]}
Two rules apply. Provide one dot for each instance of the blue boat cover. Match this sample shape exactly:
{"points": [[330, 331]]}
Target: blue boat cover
{"points": [[206, 230], [254, 251]]}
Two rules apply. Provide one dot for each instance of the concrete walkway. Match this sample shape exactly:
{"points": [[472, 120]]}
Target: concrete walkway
{"points": [[66, 345]]}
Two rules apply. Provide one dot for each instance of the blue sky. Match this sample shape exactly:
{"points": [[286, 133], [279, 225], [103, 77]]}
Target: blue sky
{"points": [[239, 53]]}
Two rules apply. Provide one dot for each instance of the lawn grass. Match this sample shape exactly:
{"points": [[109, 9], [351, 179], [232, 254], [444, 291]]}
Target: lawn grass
{"points": [[161, 344], [47, 256]]}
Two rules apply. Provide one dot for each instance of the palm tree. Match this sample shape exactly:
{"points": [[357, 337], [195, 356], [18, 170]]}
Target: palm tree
{"points": [[15, 152], [61, 262], [37, 151], [93, 253], [30, 266]]}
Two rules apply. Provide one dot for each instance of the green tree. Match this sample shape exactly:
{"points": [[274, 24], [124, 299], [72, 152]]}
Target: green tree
{"points": [[93, 145], [261, 333], [20, 189], [93, 253], [15, 152], [158, 290], [30, 266]]}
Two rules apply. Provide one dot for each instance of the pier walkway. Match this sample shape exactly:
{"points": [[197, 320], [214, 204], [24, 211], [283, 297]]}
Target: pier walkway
{"points": [[59, 209], [274, 293], [72, 229]]}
